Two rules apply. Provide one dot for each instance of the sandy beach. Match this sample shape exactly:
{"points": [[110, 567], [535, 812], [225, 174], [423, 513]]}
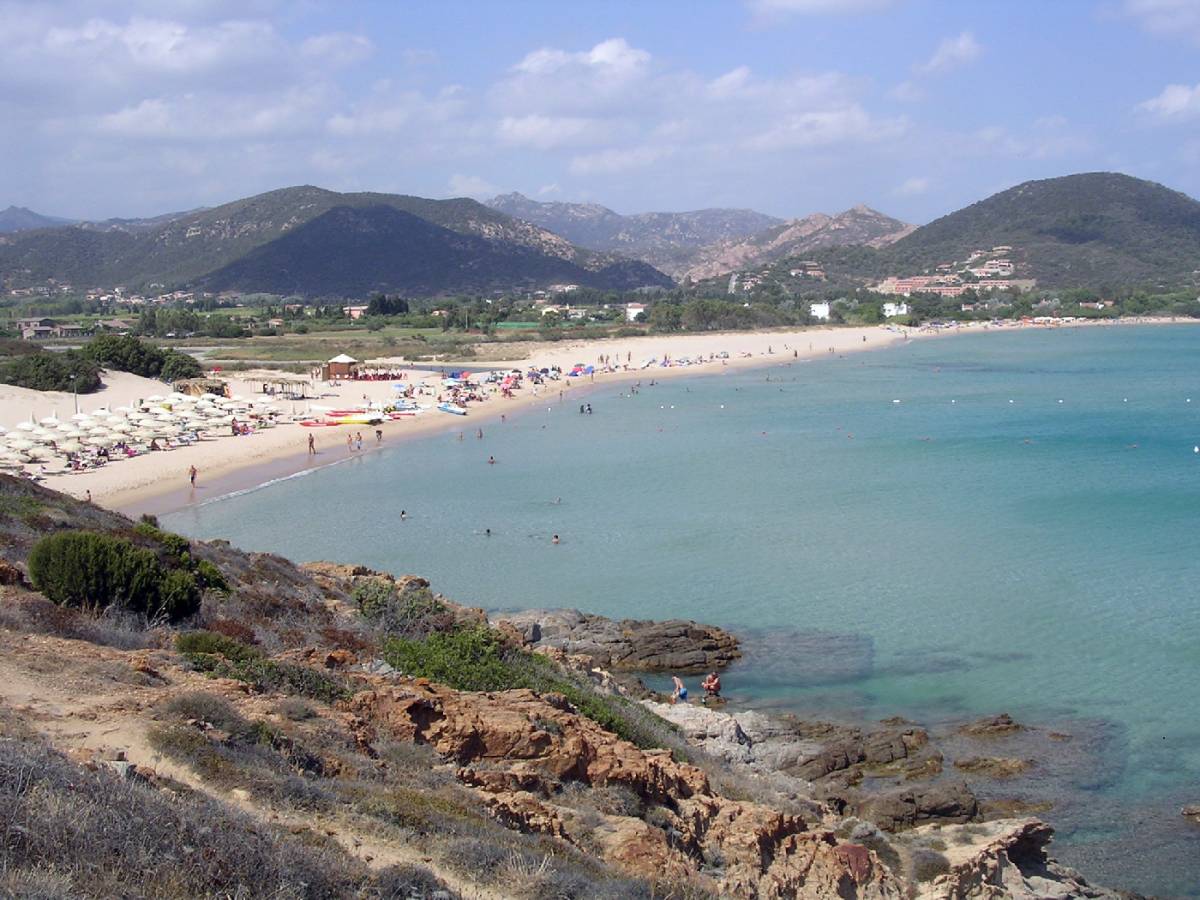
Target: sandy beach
{"points": [[158, 482]]}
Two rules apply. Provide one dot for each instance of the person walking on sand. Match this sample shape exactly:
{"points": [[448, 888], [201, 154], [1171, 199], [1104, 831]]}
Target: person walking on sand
{"points": [[312, 446], [379, 435], [192, 475], [680, 694]]}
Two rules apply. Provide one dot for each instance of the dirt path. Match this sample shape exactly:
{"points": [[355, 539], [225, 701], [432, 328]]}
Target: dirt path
{"points": [[84, 697]]}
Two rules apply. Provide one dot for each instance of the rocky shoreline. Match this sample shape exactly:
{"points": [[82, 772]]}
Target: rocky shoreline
{"points": [[884, 781]]}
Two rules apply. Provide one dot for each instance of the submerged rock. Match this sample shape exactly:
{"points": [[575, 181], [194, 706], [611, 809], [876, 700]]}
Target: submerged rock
{"points": [[1192, 813], [992, 726], [993, 766]]}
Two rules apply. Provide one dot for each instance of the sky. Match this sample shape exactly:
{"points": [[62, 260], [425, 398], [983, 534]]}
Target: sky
{"points": [[914, 107]]}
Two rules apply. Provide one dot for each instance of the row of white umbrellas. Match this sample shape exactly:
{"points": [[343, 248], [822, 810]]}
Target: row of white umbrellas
{"points": [[156, 418]]}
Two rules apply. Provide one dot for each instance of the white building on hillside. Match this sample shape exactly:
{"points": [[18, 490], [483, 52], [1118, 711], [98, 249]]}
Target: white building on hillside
{"points": [[633, 310], [819, 311], [895, 309]]}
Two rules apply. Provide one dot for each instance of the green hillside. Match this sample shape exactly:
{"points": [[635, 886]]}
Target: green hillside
{"points": [[354, 250], [1099, 229]]}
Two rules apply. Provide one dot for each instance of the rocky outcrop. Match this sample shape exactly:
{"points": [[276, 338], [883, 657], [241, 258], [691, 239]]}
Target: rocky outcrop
{"points": [[520, 751], [1008, 859], [1192, 813], [628, 645]]}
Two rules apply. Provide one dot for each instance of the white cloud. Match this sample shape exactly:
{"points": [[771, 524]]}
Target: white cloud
{"points": [[911, 187], [1167, 18], [774, 9], [951, 53], [907, 92], [337, 49], [825, 127], [388, 109], [547, 132], [472, 186], [549, 190], [1176, 103], [613, 161], [206, 117]]}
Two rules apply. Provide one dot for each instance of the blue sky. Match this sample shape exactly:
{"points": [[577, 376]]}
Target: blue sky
{"points": [[915, 107]]}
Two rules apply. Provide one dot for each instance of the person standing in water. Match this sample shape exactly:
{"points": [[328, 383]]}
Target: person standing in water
{"points": [[192, 475], [312, 446], [554, 540]]}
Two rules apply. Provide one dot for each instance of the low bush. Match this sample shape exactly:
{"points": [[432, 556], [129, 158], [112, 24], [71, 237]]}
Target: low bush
{"points": [[928, 864], [412, 614], [223, 657], [476, 659], [93, 571]]}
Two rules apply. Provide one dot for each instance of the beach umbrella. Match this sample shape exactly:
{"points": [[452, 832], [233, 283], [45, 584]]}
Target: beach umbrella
{"points": [[43, 437], [21, 444], [39, 452], [98, 441], [50, 421], [25, 426], [155, 398], [98, 431], [3, 430], [70, 447], [126, 410], [121, 427]]}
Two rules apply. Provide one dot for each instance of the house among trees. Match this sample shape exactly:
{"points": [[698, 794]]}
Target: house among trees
{"points": [[38, 329]]}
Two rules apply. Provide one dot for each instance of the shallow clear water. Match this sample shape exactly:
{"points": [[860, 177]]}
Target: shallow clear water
{"points": [[979, 546]]}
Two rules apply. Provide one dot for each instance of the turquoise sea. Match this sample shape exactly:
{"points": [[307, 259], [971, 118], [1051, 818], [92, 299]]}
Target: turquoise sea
{"points": [[1020, 533]]}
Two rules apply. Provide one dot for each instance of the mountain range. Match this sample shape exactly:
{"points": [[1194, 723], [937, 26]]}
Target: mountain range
{"points": [[261, 243], [665, 240], [1097, 230], [18, 218], [707, 242]]}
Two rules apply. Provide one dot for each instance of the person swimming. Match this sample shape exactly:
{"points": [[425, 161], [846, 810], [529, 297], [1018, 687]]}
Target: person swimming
{"points": [[554, 540]]}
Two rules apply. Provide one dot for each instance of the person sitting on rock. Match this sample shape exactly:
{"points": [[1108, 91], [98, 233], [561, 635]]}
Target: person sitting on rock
{"points": [[680, 694], [712, 687]]}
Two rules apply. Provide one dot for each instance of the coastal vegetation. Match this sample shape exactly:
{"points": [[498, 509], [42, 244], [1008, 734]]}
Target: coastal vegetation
{"points": [[329, 730], [94, 571]]}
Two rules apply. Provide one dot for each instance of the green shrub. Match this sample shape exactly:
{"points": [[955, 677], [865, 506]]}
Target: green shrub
{"points": [[223, 657], [94, 571], [475, 659], [177, 366], [206, 575], [46, 371]]}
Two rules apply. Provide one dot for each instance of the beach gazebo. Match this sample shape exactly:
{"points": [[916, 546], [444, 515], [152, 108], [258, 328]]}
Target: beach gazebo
{"points": [[341, 366]]}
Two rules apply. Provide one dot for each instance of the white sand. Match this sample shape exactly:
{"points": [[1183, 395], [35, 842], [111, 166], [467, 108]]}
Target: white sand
{"points": [[127, 484]]}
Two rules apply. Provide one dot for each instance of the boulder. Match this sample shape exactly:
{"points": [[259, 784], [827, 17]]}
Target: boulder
{"points": [[629, 645], [1192, 813], [900, 810]]}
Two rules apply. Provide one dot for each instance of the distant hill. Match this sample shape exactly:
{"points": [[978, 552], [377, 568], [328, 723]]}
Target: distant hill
{"points": [[206, 247], [353, 250], [663, 239], [860, 226], [18, 218], [1091, 230]]}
